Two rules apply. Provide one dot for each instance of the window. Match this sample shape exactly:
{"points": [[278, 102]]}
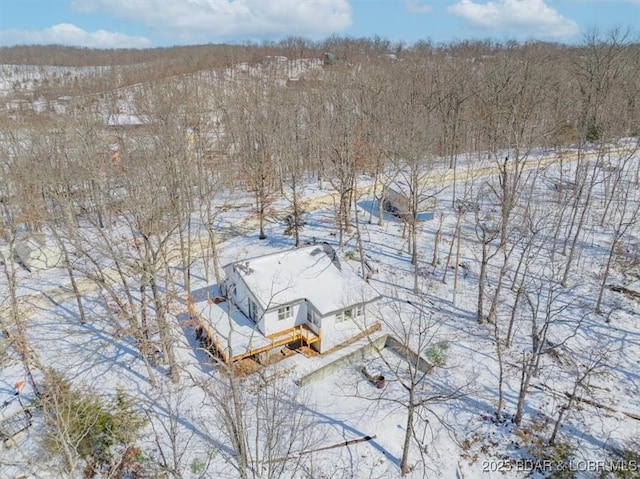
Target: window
{"points": [[253, 310], [312, 317], [285, 313], [349, 314], [343, 316]]}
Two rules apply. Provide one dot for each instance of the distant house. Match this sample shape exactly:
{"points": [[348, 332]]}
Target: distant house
{"points": [[35, 253], [396, 199], [306, 295]]}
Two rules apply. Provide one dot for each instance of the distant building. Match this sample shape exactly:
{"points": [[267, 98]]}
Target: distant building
{"points": [[304, 295], [330, 58], [34, 253], [396, 199]]}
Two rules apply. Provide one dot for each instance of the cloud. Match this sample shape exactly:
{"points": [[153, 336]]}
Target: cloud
{"points": [[69, 34], [205, 20], [516, 17], [415, 6]]}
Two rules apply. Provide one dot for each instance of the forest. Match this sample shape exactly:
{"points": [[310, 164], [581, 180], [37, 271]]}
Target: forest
{"points": [[141, 173]]}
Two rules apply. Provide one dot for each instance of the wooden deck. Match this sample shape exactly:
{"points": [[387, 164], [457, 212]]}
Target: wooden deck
{"points": [[298, 333], [216, 343]]}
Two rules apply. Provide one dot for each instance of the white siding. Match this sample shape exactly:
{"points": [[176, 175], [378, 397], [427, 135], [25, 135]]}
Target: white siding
{"points": [[273, 324], [334, 332], [240, 296]]}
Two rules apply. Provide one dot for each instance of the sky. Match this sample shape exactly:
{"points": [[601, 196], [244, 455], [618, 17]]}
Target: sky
{"points": [[161, 23]]}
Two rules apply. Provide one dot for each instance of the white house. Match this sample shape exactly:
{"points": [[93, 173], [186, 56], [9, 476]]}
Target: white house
{"points": [[306, 294]]}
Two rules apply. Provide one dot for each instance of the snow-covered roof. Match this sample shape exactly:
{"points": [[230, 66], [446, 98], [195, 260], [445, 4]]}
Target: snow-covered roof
{"points": [[234, 333], [124, 119], [313, 273], [403, 188]]}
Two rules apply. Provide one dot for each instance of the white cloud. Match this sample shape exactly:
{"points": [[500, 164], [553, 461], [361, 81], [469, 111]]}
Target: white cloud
{"points": [[516, 17], [415, 6], [69, 34], [205, 20]]}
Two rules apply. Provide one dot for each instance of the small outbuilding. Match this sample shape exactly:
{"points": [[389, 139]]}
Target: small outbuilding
{"points": [[35, 253], [396, 199]]}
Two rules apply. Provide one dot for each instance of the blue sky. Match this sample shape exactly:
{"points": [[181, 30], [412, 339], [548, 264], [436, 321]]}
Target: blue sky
{"points": [[146, 23]]}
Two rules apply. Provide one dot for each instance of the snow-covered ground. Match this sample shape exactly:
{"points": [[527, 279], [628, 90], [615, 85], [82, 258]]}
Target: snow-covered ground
{"points": [[456, 432]]}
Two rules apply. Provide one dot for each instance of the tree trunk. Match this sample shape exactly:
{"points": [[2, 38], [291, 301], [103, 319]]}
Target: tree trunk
{"points": [[74, 284], [481, 280], [260, 206], [404, 462], [493, 309], [163, 328], [524, 389], [605, 274], [496, 331]]}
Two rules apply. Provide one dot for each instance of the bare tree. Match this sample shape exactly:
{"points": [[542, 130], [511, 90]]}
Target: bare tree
{"points": [[13, 324], [622, 212], [547, 305], [582, 371], [248, 119], [265, 427], [412, 355]]}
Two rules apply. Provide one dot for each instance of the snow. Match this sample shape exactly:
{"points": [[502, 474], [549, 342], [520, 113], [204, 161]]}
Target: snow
{"points": [[344, 405], [462, 432], [124, 119], [231, 329], [304, 273]]}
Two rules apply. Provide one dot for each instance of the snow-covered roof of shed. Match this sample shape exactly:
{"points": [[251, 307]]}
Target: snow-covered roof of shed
{"points": [[403, 188], [313, 273]]}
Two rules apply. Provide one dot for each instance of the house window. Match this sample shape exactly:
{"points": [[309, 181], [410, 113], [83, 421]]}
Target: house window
{"points": [[342, 316], [253, 310], [349, 314], [312, 317], [285, 313]]}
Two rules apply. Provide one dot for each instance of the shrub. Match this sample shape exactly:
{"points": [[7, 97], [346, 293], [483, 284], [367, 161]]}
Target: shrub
{"points": [[553, 460], [627, 461], [198, 466], [82, 425], [437, 354]]}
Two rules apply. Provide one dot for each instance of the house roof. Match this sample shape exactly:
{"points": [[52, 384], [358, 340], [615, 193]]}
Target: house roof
{"points": [[314, 273], [233, 332]]}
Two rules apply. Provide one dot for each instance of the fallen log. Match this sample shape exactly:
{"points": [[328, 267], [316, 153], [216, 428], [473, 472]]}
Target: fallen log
{"points": [[629, 292], [590, 402], [324, 448]]}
